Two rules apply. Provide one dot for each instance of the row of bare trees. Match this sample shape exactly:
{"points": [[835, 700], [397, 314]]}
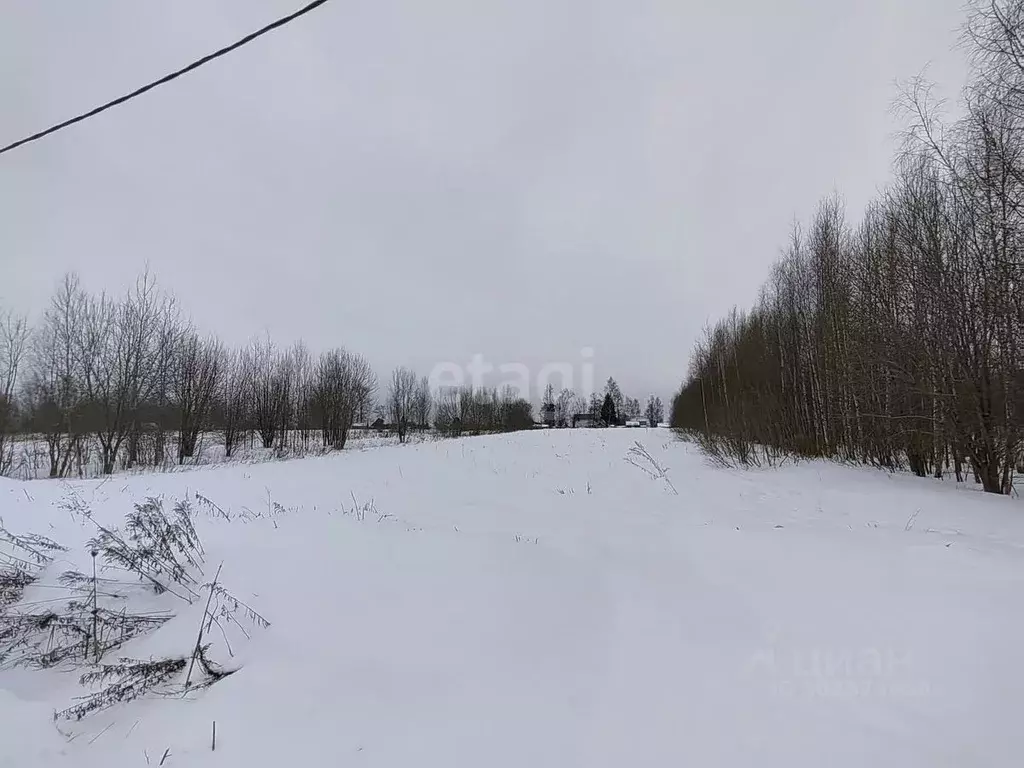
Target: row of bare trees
{"points": [[134, 378], [472, 411], [96, 365], [128, 381], [134, 375], [898, 342]]}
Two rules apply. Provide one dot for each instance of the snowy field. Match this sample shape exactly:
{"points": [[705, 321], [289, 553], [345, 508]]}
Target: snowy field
{"points": [[31, 459], [539, 600]]}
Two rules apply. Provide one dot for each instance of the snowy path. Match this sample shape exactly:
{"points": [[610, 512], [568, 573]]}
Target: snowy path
{"points": [[496, 612]]}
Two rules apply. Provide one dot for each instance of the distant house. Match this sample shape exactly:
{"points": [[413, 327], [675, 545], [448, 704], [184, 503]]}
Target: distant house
{"points": [[586, 420]]}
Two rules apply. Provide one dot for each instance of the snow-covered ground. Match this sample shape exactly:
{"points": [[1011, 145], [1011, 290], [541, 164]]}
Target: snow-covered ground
{"points": [[31, 461], [538, 600]]}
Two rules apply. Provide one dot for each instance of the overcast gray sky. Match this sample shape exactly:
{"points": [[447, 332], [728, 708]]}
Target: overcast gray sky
{"points": [[422, 181]]}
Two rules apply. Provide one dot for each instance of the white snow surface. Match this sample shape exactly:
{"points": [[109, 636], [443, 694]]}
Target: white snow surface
{"points": [[537, 600]]}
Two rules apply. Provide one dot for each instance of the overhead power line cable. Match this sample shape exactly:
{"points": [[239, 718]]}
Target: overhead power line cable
{"points": [[167, 78]]}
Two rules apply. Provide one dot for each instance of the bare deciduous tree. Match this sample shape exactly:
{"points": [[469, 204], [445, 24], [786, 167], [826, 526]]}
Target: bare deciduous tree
{"points": [[116, 347], [302, 393], [423, 405], [655, 411], [197, 373], [567, 405], [55, 392], [447, 419], [268, 390], [14, 334], [343, 386], [401, 401], [231, 406]]}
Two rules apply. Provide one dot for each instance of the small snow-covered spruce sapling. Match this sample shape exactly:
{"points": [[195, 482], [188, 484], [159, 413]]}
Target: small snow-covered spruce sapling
{"points": [[76, 628], [162, 549], [22, 559]]}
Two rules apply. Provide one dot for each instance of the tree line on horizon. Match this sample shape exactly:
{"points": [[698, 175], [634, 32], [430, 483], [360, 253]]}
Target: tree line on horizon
{"points": [[132, 379], [610, 407], [132, 376], [898, 342]]}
